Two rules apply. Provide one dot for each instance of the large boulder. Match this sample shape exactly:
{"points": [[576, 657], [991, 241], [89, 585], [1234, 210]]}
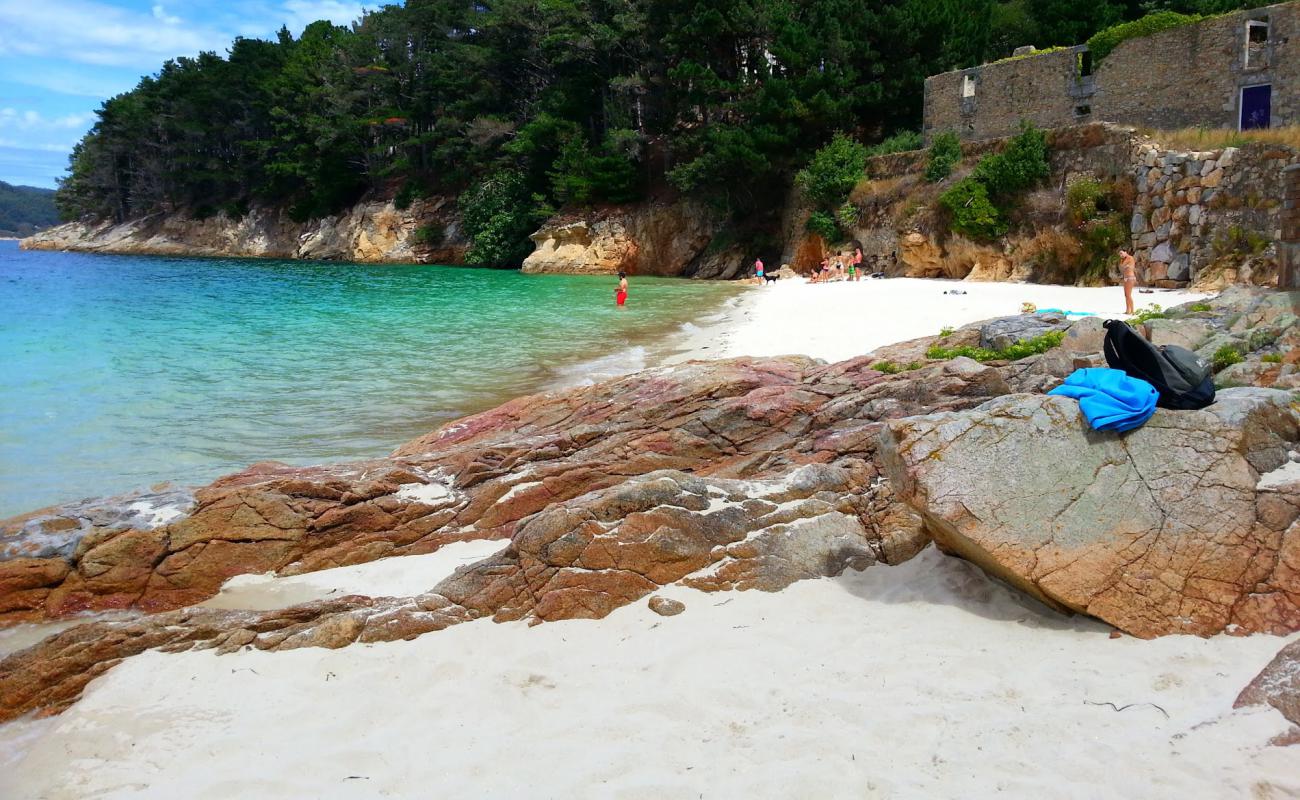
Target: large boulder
{"points": [[1278, 685], [1182, 526]]}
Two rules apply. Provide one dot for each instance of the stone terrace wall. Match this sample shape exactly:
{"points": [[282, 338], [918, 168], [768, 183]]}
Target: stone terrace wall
{"points": [[1192, 75], [1041, 88], [1194, 207]]}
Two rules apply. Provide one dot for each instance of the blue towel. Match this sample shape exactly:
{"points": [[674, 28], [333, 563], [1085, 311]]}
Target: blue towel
{"points": [[1110, 399]]}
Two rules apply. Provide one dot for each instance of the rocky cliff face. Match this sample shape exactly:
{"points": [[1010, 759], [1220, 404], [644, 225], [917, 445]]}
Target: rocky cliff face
{"points": [[371, 232], [670, 239], [741, 474]]}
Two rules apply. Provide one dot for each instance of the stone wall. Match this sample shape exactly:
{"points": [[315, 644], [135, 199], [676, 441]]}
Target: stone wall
{"points": [[1194, 208], [1183, 77], [1044, 89], [1192, 75]]}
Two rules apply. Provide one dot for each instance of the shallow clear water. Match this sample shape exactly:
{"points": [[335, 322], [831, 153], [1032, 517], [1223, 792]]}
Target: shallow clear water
{"points": [[117, 372]]}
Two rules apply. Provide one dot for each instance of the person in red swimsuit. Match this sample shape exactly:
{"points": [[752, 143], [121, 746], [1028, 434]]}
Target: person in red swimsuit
{"points": [[620, 294]]}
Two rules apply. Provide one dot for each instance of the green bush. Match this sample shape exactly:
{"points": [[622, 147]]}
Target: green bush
{"points": [[946, 331], [945, 153], [902, 142], [1199, 307], [1017, 351], [973, 213], [824, 225], [1226, 356], [833, 172], [1271, 358], [847, 216], [498, 215], [1018, 167], [1084, 199], [1105, 41]]}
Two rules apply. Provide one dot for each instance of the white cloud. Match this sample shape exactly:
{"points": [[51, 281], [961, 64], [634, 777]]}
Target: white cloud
{"points": [[27, 120], [160, 14]]}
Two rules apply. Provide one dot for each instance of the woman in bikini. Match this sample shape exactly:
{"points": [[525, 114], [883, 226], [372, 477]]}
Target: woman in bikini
{"points": [[1128, 274]]}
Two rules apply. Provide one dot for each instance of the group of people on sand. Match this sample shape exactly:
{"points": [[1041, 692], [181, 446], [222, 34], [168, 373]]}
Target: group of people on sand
{"points": [[842, 266], [846, 266]]}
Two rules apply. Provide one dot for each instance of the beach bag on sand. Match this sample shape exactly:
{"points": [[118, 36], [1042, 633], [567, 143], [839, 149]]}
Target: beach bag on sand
{"points": [[1183, 379]]}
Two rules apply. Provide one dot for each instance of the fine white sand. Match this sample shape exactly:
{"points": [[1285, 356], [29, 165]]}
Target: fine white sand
{"points": [[836, 321], [921, 681]]}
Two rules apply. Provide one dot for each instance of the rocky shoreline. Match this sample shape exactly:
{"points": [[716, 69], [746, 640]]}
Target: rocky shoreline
{"points": [[742, 474]]}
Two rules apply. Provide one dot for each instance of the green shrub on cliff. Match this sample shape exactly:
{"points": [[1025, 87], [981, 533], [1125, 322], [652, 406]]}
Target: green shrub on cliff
{"points": [[903, 142], [973, 214], [498, 215], [824, 225], [945, 153], [1105, 41], [833, 172], [1020, 165], [979, 203]]}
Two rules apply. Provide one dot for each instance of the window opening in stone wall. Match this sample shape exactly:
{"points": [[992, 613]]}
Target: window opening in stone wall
{"points": [[967, 86], [1256, 107], [1256, 43], [1084, 63], [1082, 111]]}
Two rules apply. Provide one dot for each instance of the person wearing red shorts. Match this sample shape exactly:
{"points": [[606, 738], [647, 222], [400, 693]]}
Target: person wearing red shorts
{"points": [[620, 294]]}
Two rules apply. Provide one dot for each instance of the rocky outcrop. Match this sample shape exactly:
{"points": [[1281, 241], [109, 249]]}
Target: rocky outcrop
{"points": [[374, 231], [477, 478], [1178, 527], [653, 238]]}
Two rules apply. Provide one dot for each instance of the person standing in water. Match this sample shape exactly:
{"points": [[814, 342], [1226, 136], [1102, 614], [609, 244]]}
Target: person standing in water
{"points": [[1128, 274], [620, 294]]}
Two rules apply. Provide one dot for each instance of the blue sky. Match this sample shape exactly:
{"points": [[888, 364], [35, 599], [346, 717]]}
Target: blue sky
{"points": [[60, 59]]}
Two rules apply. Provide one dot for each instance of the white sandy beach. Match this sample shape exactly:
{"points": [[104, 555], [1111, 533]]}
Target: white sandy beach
{"points": [[921, 681], [927, 680], [841, 320]]}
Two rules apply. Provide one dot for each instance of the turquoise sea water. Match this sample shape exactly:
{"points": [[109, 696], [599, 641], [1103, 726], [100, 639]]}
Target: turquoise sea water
{"points": [[117, 372]]}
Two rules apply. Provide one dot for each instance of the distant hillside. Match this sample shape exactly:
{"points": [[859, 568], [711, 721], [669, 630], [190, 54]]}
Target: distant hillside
{"points": [[24, 209]]}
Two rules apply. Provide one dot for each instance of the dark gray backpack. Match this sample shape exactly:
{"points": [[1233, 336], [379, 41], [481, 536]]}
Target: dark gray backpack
{"points": [[1183, 379]]}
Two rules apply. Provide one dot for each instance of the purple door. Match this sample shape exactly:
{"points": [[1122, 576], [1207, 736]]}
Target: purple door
{"points": [[1256, 107]]}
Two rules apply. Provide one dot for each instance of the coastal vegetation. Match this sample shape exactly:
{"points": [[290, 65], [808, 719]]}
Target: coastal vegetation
{"points": [[548, 104], [23, 209], [979, 203]]}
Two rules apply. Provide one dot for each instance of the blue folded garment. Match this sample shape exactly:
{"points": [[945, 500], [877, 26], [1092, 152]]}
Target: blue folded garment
{"points": [[1110, 399]]}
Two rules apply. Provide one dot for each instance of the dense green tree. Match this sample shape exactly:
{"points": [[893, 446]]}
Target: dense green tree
{"points": [[578, 101]]}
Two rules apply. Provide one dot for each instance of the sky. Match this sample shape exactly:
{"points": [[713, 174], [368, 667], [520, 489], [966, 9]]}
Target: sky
{"points": [[60, 59]]}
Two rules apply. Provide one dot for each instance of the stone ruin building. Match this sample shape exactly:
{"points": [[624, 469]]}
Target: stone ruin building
{"points": [[1235, 71], [1238, 71]]}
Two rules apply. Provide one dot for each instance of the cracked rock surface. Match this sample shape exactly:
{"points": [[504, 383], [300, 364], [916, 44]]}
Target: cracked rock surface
{"points": [[1168, 529]]}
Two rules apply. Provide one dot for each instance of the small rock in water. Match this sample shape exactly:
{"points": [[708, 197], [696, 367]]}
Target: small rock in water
{"points": [[665, 607]]}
